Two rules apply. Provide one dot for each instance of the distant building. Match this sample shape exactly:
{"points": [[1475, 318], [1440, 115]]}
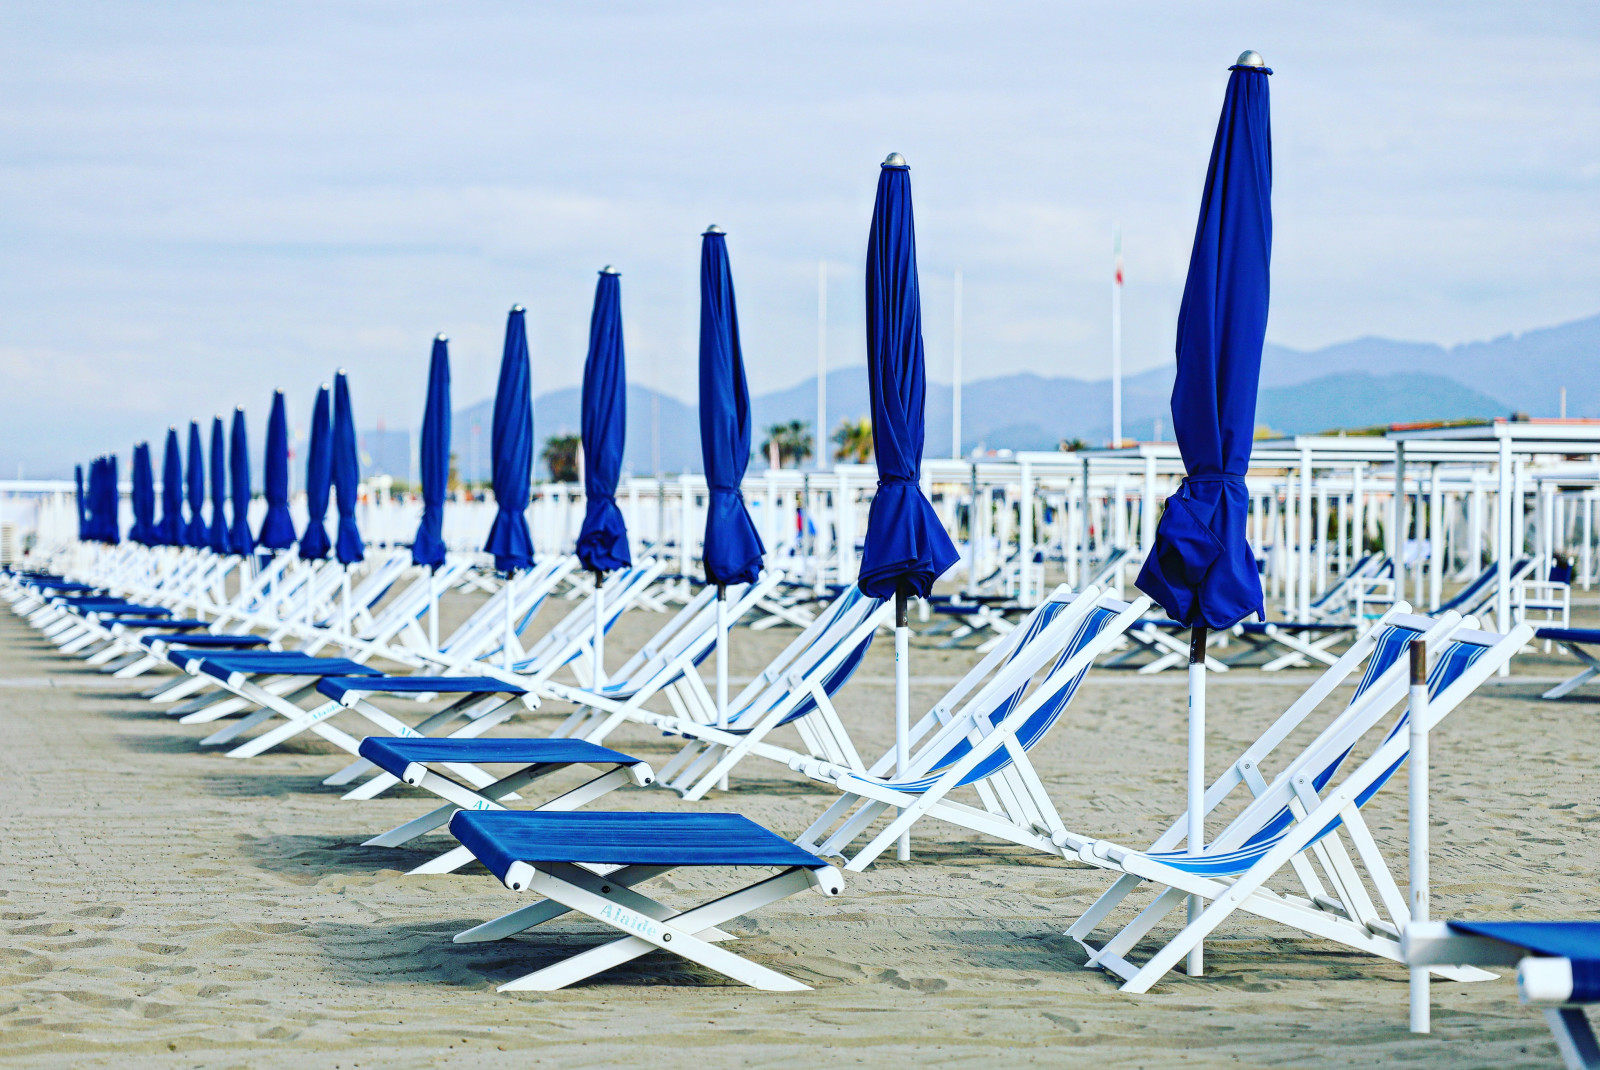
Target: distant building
{"points": [[386, 453]]}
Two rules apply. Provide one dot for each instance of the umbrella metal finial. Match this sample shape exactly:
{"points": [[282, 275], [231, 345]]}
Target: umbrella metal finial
{"points": [[894, 159], [440, 338], [609, 270], [714, 229], [517, 308], [1250, 58]]}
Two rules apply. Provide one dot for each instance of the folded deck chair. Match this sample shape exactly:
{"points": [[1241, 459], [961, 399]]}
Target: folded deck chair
{"points": [[978, 736], [1302, 819], [1338, 601], [1289, 644], [1574, 640], [667, 661], [411, 760], [555, 855], [267, 680], [1558, 969], [795, 689], [1168, 641]]}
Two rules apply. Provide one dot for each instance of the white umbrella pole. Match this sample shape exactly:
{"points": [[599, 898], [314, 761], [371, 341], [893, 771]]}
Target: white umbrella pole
{"points": [[902, 699], [344, 593], [433, 610], [599, 630], [1197, 773], [722, 666], [1419, 823], [511, 621]]}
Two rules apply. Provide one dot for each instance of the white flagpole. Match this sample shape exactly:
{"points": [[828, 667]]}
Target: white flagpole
{"points": [[1116, 342], [821, 433], [955, 378]]}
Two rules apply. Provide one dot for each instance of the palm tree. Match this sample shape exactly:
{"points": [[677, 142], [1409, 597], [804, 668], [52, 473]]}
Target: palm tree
{"points": [[791, 441], [853, 440], [561, 457], [1072, 445]]}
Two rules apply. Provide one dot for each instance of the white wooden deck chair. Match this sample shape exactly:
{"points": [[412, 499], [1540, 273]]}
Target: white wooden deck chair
{"points": [[671, 652], [1557, 963], [428, 763], [1167, 641], [273, 697], [1338, 601], [796, 688], [1303, 816], [979, 736], [668, 661], [557, 855], [1290, 644]]}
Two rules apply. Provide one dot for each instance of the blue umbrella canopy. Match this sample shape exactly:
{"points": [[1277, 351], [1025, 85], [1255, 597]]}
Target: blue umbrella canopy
{"points": [[217, 536], [170, 529], [603, 539], [239, 538], [733, 550], [314, 544], [346, 464], [194, 532], [110, 503], [277, 527], [511, 451], [428, 549], [143, 479], [91, 499], [906, 546], [83, 512], [1201, 570]]}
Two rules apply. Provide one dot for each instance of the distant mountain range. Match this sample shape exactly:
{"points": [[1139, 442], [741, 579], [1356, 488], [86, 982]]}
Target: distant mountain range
{"points": [[1360, 383]]}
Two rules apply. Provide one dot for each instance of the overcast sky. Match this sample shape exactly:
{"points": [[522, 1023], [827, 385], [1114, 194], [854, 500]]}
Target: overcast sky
{"points": [[203, 201]]}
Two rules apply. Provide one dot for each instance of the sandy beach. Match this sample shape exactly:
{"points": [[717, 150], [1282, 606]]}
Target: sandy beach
{"points": [[167, 906]]}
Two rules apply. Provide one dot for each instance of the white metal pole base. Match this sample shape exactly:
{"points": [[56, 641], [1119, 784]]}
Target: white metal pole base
{"points": [[722, 668], [1418, 807], [902, 701], [1197, 775]]}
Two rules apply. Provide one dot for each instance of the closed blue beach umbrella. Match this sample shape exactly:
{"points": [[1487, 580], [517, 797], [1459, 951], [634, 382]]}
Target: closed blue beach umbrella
{"points": [[217, 536], [240, 540], [143, 480], [111, 504], [194, 532], [314, 544], [906, 547], [511, 451], [732, 551], [277, 527], [347, 546], [77, 500], [170, 529], [511, 467], [603, 539], [1201, 570], [428, 548]]}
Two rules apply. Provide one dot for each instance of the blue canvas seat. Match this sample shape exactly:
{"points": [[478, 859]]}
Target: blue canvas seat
{"points": [[450, 769], [591, 862], [1575, 641]]}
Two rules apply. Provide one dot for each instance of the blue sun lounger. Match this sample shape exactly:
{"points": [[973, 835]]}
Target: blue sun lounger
{"points": [[1558, 968], [590, 862], [1574, 639], [423, 763]]}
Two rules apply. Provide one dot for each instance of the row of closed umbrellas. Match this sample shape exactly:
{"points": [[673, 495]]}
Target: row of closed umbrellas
{"points": [[1200, 569]]}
